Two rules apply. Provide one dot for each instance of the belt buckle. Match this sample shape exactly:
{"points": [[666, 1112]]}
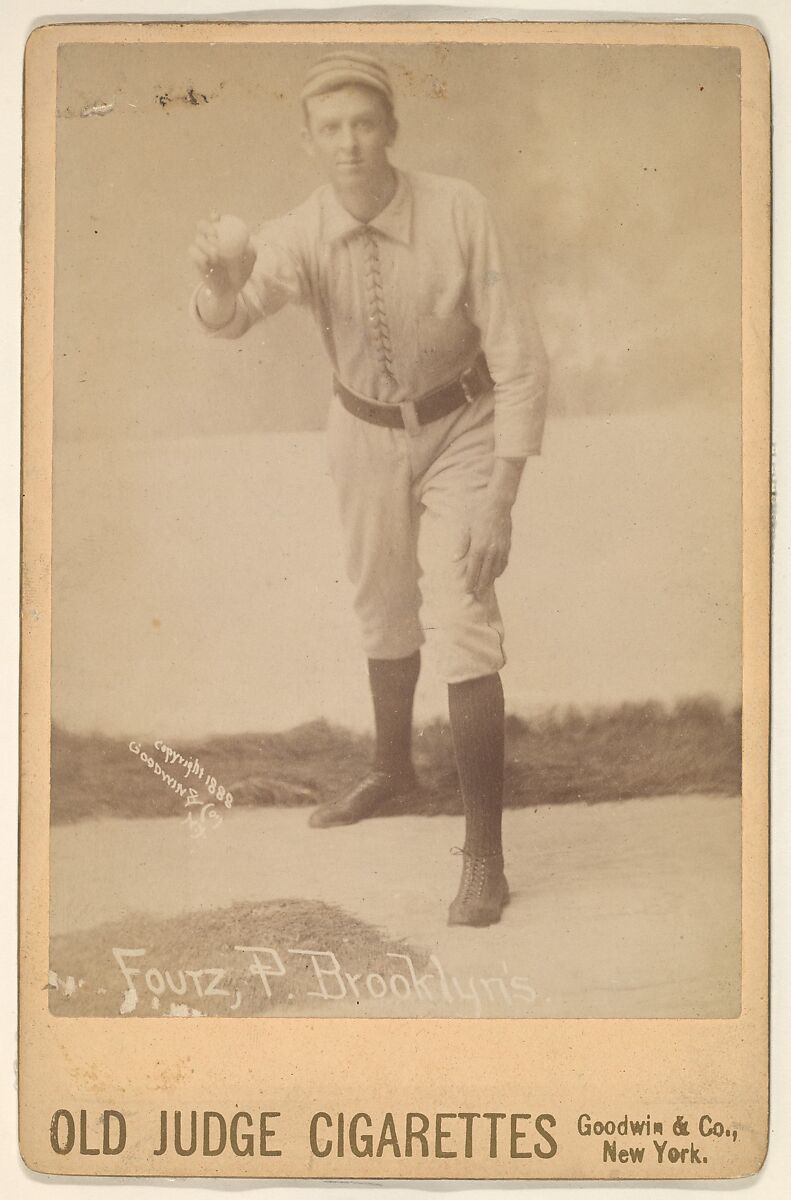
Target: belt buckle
{"points": [[465, 380]]}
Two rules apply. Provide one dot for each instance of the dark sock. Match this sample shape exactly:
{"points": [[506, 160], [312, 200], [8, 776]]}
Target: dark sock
{"points": [[477, 722], [393, 682]]}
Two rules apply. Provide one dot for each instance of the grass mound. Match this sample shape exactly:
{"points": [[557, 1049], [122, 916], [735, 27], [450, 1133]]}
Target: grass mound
{"points": [[196, 965], [570, 755]]}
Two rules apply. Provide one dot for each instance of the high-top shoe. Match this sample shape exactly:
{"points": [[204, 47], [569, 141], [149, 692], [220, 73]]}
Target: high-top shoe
{"points": [[483, 890]]}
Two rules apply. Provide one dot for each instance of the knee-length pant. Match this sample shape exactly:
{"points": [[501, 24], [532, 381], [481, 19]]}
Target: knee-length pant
{"points": [[406, 500]]}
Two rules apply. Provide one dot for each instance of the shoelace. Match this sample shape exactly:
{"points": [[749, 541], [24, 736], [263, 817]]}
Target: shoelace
{"points": [[377, 314], [474, 872]]}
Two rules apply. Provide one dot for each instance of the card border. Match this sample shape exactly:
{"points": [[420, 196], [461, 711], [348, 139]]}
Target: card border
{"points": [[42, 1036]]}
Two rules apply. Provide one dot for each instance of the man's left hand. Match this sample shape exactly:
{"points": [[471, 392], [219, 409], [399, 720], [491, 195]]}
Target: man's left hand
{"points": [[487, 546], [487, 543]]}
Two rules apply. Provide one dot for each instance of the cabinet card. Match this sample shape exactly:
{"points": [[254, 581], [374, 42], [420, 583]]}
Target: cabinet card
{"points": [[358, 359]]}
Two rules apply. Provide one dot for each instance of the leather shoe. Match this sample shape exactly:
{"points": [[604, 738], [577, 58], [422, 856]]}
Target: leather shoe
{"points": [[483, 891], [374, 790]]}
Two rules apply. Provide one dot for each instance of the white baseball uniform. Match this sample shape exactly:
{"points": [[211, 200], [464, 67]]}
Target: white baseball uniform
{"points": [[405, 303]]}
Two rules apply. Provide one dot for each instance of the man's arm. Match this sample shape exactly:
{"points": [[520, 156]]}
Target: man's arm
{"points": [[244, 278], [518, 364], [509, 337]]}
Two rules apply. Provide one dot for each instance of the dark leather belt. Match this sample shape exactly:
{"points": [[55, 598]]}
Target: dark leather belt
{"points": [[468, 387]]}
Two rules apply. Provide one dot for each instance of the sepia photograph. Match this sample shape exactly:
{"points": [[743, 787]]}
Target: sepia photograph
{"points": [[397, 663]]}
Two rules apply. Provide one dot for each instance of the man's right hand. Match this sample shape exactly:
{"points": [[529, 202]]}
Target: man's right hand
{"points": [[224, 256]]}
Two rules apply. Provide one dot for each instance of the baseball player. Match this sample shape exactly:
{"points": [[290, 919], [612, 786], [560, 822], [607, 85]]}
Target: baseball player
{"points": [[439, 397]]}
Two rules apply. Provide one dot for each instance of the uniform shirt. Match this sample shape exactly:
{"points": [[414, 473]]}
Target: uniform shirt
{"points": [[406, 301]]}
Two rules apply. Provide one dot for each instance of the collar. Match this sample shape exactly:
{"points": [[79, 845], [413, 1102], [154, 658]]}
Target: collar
{"points": [[394, 221]]}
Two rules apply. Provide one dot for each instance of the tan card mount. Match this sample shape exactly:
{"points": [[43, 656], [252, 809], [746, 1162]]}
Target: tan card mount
{"points": [[359, 359]]}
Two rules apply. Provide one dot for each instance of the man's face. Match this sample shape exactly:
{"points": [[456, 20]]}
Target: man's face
{"points": [[348, 132]]}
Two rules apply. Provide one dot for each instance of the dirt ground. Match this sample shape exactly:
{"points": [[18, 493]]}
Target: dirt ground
{"points": [[619, 909]]}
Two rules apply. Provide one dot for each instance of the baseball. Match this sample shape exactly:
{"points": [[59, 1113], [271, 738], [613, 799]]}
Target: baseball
{"points": [[232, 237]]}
